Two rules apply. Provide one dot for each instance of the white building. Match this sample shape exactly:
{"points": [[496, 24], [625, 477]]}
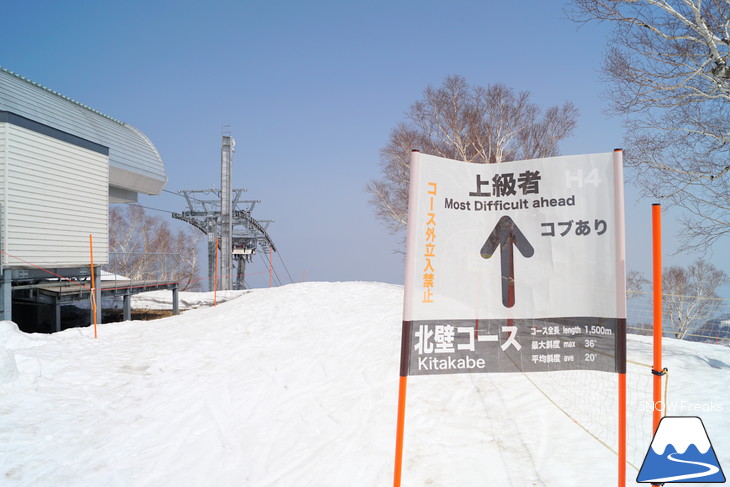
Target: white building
{"points": [[61, 164]]}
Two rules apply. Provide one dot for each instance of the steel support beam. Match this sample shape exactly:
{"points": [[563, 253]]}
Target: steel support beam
{"points": [[57, 315], [6, 295], [127, 307], [175, 301]]}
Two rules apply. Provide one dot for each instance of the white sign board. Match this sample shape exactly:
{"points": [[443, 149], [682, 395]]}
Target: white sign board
{"points": [[538, 241]]}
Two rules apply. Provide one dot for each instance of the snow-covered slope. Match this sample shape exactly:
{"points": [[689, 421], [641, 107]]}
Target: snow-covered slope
{"points": [[293, 386]]}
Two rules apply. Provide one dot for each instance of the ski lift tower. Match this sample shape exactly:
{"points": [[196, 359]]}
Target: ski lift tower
{"points": [[204, 213], [226, 224], [225, 218]]}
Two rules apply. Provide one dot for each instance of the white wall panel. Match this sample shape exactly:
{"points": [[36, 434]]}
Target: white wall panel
{"points": [[3, 138], [55, 195]]}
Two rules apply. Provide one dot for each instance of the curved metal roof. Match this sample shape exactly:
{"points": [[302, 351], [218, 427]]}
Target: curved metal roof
{"points": [[134, 163]]}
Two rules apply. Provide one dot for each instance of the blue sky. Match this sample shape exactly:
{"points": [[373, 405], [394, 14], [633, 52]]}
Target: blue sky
{"points": [[310, 92]]}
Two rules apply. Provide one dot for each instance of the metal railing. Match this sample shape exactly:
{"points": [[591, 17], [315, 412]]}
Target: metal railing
{"points": [[147, 267]]}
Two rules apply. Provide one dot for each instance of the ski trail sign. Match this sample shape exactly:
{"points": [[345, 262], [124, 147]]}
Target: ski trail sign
{"points": [[517, 266], [554, 300]]}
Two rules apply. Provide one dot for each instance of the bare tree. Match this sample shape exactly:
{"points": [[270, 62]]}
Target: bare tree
{"points": [[667, 70], [635, 282], [143, 247], [689, 296], [468, 123]]}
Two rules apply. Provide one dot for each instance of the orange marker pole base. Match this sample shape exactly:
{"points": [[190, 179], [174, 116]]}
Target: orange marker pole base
{"points": [[215, 273], [622, 430], [400, 427], [93, 285]]}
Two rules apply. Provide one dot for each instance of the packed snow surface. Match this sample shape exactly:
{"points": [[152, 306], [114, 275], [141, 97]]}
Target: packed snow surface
{"points": [[297, 386]]}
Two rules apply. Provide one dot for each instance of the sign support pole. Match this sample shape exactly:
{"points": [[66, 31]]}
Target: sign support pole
{"points": [[408, 284], [400, 428], [621, 311]]}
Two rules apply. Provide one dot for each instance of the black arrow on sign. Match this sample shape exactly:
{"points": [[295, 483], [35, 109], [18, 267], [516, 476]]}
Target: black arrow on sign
{"points": [[506, 235]]}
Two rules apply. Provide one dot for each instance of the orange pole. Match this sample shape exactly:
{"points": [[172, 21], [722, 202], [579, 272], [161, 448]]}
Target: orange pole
{"points": [[622, 430], [656, 213], [215, 273], [621, 308], [93, 286], [400, 427]]}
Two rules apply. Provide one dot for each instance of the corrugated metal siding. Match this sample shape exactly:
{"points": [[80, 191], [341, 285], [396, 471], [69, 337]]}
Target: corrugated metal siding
{"points": [[58, 196], [3, 138], [129, 150]]}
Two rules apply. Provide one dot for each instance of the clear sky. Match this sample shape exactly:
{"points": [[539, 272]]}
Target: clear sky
{"points": [[310, 92]]}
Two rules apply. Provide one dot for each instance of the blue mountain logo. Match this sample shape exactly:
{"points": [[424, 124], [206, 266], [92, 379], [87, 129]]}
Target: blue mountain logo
{"points": [[681, 452]]}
